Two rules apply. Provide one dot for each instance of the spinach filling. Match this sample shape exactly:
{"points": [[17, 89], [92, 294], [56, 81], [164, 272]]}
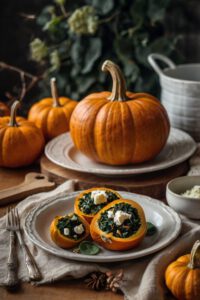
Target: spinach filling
{"points": [[87, 206], [129, 226], [70, 222]]}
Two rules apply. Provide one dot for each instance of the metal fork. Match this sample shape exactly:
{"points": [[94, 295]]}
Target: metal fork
{"points": [[12, 278], [33, 271]]}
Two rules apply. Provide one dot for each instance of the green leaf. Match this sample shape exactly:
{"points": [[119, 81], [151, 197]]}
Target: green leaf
{"points": [[88, 248], [92, 54], [151, 229], [103, 6], [157, 9]]}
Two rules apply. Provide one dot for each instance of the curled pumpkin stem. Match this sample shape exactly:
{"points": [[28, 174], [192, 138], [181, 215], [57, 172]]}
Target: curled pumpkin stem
{"points": [[54, 92], [195, 256], [119, 83], [13, 121]]}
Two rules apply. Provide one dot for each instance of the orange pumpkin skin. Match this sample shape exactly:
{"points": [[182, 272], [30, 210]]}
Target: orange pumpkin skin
{"points": [[52, 116], [119, 128], [21, 142], [182, 279], [114, 243], [89, 217], [63, 241], [4, 110]]}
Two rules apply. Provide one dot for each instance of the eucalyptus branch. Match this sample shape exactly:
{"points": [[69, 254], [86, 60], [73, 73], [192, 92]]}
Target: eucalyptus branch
{"points": [[25, 88], [107, 20]]}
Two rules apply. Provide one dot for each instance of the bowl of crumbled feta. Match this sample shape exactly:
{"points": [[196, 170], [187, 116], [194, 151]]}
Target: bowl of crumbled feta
{"points": [[183, 195]]}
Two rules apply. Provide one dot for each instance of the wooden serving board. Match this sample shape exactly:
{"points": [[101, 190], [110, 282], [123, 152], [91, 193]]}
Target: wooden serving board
{"points": [[151, 184], [33, 183]]}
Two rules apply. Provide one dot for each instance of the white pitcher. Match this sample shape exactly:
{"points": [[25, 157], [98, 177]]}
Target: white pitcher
{"points": [[180, 93]]}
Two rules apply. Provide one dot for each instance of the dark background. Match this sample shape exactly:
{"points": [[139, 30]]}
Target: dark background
{"points": [[16, 32]]}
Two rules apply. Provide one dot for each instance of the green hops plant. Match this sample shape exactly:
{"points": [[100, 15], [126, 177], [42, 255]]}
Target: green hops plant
{"points": [[38, 49], [83, 21]]}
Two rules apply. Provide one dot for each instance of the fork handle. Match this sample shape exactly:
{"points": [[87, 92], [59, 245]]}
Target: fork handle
{"points": [[12, 278], [33, 271]]}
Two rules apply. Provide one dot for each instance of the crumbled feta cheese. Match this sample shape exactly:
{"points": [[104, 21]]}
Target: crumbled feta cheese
{"points": [[120, 217], [110, 214], [193, 192], [99, 197], [66, 231], [74, 218], [79, 229]]}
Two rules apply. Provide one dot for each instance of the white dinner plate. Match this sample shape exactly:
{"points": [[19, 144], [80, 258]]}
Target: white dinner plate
{"points": [[162, 216], [61, 151]]}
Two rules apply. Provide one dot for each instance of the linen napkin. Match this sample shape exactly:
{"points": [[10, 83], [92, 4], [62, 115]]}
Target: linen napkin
{"points": [[143, 278]]}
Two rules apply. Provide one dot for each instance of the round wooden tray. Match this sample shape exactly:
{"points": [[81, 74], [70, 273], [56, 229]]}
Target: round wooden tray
{"points": [[151, 184]]}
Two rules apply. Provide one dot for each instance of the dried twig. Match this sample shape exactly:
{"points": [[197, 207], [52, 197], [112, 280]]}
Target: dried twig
{"points": [[25, 88]]}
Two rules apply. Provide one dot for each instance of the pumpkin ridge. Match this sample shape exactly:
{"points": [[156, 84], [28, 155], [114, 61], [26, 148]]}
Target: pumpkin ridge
{"points": [[124, 130], [95, 143]]}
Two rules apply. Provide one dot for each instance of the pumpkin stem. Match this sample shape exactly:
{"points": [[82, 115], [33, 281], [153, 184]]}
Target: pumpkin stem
{"points": [[195, 256], [13, 113], [54, 93], [119, 84]]}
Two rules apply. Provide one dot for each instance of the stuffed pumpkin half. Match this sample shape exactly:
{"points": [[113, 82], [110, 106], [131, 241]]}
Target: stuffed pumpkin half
{"points": [[121, 225]]}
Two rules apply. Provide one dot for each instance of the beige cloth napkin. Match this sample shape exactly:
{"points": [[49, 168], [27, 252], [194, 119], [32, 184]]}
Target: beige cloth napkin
{"points": [[143, 278]]}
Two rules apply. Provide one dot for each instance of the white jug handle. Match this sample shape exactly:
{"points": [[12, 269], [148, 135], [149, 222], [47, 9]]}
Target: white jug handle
{"points": [[152, 60]]}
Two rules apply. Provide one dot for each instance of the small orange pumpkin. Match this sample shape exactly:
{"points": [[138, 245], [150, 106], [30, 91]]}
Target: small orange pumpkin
{"points": [[121, 127], [52, 115], [182, 276], [111, 241], [89, 216], [62, 240], [4, 110], [21, 142]]}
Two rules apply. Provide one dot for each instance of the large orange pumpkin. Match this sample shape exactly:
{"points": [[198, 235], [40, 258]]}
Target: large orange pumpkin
{"points": [[4, 110], [183, 275], [52, 115], [112, 241], [62, 240], [120, 127], [21, 142]]}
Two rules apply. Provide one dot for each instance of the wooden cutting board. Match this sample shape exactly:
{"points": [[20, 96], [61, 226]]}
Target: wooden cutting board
{"points": [[151, 184], [33, 183]]}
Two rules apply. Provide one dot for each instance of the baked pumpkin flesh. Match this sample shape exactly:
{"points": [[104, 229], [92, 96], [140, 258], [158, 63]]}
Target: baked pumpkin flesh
{"points": [[68, 231], [121, 225], [91, 201]]}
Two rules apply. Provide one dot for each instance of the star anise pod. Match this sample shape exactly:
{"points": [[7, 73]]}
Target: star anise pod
{"points": [[96, 281], [114, 280]]}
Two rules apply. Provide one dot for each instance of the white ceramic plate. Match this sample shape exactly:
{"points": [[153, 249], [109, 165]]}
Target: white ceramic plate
{"points": [[165, 218], [61, 151]]}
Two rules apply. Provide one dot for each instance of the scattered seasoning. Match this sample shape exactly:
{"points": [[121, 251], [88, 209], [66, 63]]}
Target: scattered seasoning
{"points": [[88, 248], [87, 206], [151, 229], [69, 222], [129, 226]]}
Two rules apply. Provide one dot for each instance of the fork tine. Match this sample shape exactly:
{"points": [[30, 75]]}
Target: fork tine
{"points": [[17, 217], [7, 217], [14, 217]]}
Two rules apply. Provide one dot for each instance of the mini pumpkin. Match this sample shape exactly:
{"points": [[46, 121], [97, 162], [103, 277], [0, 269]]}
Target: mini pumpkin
{"points": [[62, 230], [121, 127], [52, 115], [120, 225], [182, 276], [4, 110], [21, 142], [85, 205]]}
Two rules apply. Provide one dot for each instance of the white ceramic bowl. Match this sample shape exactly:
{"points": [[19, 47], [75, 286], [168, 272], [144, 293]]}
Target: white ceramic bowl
{"points": [[189, 207]]}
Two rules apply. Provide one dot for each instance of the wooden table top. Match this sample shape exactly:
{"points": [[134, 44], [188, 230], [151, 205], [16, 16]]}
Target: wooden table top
{"points": [[73, 289]]}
